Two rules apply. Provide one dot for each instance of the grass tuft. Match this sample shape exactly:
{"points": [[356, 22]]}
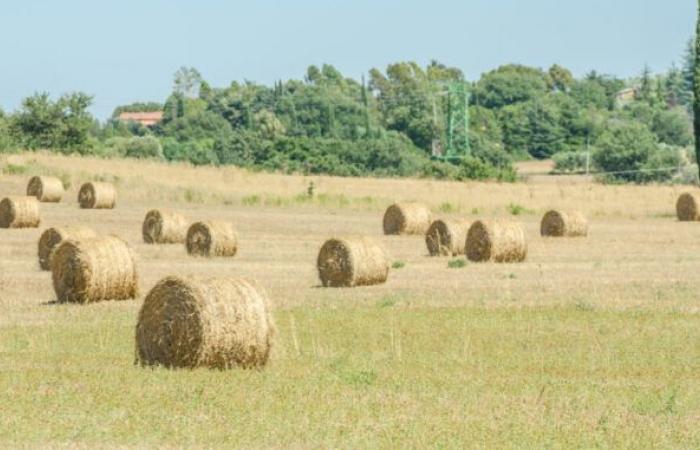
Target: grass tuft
{"points": [[457, 263]]}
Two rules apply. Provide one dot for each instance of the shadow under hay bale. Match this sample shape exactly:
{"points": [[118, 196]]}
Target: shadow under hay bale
{"points": [[97, 196], [19, 212], [352, 262], [447, 237], [53, 237], [564, 224], [45, 189], [688, 207], [407, 218], [204, 322], [498, 241], [164, 227], [95, 269], [212, 238]]}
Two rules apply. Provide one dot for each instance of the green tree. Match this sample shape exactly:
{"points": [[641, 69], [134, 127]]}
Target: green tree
{"points": [[673, 87], [64, 124], [673, 127], [623, 149], [559, 78], [408, 101], [187, 82], [590, 93], [510, 84], [646, 87], [688, 73]]}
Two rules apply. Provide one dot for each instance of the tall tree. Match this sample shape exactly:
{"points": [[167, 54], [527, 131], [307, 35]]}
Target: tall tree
{"points": [[696, 90], [646, 89], [688, 71], [673, 87], [187, 82]]}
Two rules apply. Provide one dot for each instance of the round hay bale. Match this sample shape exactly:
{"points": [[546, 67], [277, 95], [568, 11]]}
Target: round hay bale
{"points": [[97, 196], [688, 207], [19, 212], [497, 241], [407, 218], [45, 189], [53, 237], [211, 239], [94, 269], [164, 227], [447, 237], [352, 262], [563, 224], [204, 322]]}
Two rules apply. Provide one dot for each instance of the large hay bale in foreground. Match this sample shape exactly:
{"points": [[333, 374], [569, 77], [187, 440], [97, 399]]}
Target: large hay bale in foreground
{"points": [[497, 241], [164, 227], [95, 269], [407, 218], [352, 262], [204, 322], [53, 237], [688, 207], [212, 239], [97, 196], [564, 224], [45, 189], [19, 212], [447, 237]]}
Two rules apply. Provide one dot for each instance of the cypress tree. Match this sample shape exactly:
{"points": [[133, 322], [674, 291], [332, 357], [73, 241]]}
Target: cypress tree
{"points": [[365, 103], [696, 90]]}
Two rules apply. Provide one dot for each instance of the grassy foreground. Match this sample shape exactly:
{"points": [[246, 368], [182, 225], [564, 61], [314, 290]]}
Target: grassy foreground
{"points": [[591, 342], [388, 377]]}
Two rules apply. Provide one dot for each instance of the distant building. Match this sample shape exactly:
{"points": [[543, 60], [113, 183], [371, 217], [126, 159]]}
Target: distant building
{"points": [[147, 119], [625, 96]]}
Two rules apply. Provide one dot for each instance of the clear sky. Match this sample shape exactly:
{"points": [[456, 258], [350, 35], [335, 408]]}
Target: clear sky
{"points": [[127, 50]]}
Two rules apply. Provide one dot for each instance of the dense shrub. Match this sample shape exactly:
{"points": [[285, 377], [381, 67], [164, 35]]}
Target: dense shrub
{"points": [[147, 147], [569, 162]]}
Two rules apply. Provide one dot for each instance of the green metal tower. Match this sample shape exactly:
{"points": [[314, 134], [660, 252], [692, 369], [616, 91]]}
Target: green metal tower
{"points": [[457, 132]]}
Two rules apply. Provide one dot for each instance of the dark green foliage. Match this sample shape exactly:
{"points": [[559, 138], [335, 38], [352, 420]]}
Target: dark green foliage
{"points": [[137, 107], [673, 127], [7, 141], [510, 84], [570, 162], [389, 126], [623, 150], [64, 124], [590, 93], [147, 147]]}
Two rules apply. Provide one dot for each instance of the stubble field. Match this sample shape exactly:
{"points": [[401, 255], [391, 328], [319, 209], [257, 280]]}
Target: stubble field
{"points": [[590, 342]]}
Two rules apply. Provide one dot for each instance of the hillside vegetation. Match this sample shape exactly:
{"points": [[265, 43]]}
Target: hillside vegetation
{"points": [[388, 124]]}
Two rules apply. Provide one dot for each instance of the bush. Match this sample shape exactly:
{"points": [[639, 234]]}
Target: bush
{"points": [[147, 147], [472, 168], [569, 162], [623, 150], [664, 164]]}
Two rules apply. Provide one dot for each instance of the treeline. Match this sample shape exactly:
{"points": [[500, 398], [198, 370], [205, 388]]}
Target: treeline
{"points": [[388, 124]]}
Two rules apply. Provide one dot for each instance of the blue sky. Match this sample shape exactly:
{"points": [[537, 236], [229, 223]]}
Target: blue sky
{"points": [[128, 50]]}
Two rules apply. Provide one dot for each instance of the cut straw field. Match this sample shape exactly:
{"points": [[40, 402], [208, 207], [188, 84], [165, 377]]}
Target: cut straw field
{"points": [[591, 341]]}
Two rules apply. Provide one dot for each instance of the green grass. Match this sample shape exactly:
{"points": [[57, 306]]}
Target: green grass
{"points": [[366, 377], [338, 201], [447, 207], [517, 210], [457, 263], [398, 265]]}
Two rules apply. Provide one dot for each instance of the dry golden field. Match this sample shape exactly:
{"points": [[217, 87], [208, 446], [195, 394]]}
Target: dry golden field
{"points": [[590, 342]]}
